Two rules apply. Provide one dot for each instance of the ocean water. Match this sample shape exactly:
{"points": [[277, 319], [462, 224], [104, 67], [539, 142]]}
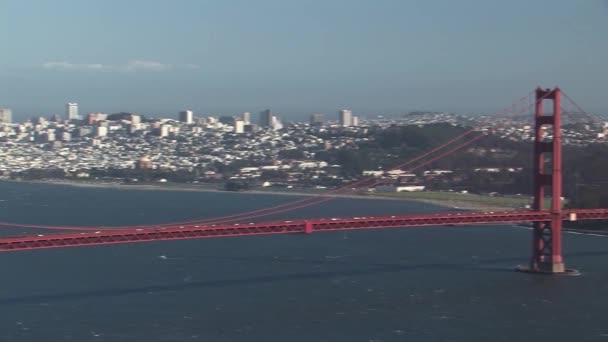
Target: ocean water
{"points": [[409, 284]]}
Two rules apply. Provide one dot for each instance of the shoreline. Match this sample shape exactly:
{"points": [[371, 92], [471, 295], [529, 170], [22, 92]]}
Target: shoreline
{"points": [[463, 205], [449, 204]]}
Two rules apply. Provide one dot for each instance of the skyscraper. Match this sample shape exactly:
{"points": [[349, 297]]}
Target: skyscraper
{"points": [[246, 118], [316, 119], [186, 116], [266, 118], [276, 124], [239, 126], [345, 118], [6, 115], [72, 111]]}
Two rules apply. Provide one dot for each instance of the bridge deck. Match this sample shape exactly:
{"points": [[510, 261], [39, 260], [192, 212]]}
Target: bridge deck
{"points": [[143, 234]]}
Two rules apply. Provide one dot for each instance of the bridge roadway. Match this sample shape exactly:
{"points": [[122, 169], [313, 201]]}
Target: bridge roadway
{"points": [[106, 236]]}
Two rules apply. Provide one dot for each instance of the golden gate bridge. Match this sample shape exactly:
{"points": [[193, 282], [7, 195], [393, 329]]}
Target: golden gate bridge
{"points": [[547, 223]]}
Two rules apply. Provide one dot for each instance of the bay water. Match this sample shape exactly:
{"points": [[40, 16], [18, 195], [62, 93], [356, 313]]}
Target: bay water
{"points": [[406, 284]]}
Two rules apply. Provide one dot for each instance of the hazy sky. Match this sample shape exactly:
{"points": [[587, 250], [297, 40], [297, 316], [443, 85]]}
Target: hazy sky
{"points": [[298, 56]]}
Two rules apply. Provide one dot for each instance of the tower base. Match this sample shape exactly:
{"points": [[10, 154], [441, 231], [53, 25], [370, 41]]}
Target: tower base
{"points": [[549, 269]]}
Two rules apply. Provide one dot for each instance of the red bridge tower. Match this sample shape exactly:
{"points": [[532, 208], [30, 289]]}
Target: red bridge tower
{"points": [[547, 236]]}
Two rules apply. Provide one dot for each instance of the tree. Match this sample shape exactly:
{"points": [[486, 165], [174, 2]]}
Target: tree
{"points": [[233, 185]]}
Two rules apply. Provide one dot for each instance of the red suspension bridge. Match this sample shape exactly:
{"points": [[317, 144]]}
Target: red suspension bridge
{"points": [[547, 223]]}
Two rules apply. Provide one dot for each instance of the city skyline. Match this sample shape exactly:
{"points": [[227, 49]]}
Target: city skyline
{"points": [[372, 57], [266, 117], [61, 111]]}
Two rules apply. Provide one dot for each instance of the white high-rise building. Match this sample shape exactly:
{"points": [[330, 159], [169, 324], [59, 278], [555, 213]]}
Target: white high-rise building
{"points": [[6, 115], [247, 118], [276, 124], [186, 117], [164, 130], [101, 131], [239, 126], [354, 121], [345, 118], [135, 119], [72, 111]]}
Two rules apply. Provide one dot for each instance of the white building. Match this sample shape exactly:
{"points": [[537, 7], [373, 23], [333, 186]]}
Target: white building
{"points": [[354, 121], [134, 128], [6, 115], [72, 111], [164, 130], [247, 118], [239, 126], [186, 116], [399, 173], [276, 124], [401, 188], [345, 118], [438, 172], [101, 131], [50, 136]]}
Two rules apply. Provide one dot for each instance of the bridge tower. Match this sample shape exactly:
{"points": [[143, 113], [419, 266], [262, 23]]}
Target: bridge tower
{"points": [[547, 236]]}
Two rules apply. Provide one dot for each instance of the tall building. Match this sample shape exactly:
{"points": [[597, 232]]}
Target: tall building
{"points": [[266, 118], [239, 126], [247, 118], [354, 121], [345, 118], [135, 119], [134, 127], [186, 116], [49, 135], [276, 124], [164, 131], [101, 131], [316, 119], [72, 111], [6, 115]]}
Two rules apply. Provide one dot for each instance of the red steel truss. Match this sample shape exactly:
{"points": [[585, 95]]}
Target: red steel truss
{"points": [[106, 237]]}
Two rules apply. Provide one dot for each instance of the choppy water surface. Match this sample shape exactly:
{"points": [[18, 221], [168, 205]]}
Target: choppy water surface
{"points": [[411, 284]]}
